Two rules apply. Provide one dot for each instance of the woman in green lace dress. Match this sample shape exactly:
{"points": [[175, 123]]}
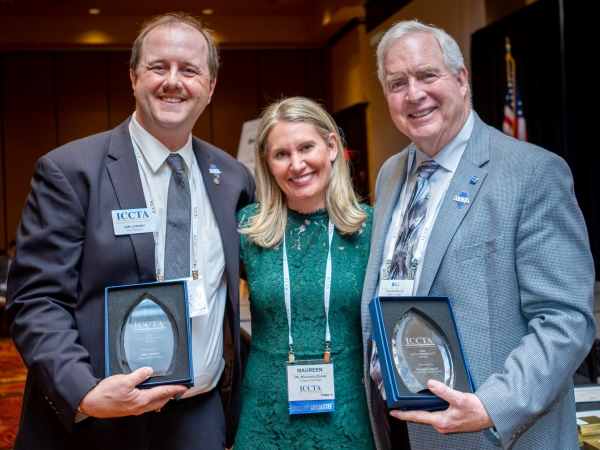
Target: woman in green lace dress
{"points": [[307, 206]]}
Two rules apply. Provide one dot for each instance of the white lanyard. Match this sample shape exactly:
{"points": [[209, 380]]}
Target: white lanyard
{"points": [[288, 296], [411, 160], [431, 215], [159, 253]]}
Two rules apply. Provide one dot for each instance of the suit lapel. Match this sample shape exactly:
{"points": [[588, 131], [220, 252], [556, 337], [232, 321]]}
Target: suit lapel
{"points": [[450, 215], [217, 193], [124, 175]]}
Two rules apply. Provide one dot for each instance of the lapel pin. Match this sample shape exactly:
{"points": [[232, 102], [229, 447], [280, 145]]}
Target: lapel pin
{"points": [[216, 173], [462, 199], [474, 180]]}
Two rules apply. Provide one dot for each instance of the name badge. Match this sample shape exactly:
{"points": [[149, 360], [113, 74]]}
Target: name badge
{"points": [[311, 388], [396, 288], [132, 221], [196, 297]]}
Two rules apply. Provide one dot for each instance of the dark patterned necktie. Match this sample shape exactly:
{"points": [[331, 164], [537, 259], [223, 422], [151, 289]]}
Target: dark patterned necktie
{"points": [[406, 244], [179, 219], [402, 267]]}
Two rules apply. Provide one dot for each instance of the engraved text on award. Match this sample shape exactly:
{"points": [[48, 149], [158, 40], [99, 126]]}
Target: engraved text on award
{"points": [[421, 352], [148, 338]]}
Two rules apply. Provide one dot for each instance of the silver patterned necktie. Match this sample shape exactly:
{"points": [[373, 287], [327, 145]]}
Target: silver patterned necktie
{"points": [[402, 266], [179, 219]]}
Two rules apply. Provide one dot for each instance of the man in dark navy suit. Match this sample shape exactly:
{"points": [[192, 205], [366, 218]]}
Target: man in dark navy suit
{"points": [[68, 254]]}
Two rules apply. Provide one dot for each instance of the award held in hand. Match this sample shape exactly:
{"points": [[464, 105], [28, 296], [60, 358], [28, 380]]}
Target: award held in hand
{"points": [[148, 325], [421, 352], [417, 341]]}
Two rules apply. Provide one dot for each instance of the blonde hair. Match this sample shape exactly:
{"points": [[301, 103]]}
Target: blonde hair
{"points": [[266, 228]]}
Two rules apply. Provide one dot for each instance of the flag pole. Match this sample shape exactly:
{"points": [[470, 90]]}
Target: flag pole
{"points": [[511, 77]]}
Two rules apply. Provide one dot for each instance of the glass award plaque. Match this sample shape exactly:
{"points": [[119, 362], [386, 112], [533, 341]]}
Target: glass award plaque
{"points": [[417, 340], [148, 337], [149, 325], [421, 352]]}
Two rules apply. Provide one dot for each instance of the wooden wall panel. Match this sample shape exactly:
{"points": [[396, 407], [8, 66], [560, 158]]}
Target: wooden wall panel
{"points": [[318, 69], [3, 236], [29, 124], [83, 93], [282, 73], [235, 99], [82, 97], [120, 93]]}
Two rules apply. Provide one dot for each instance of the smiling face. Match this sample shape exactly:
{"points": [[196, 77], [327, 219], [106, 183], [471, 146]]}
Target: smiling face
{"points": [[173, 84], [301, 163], [427, 103]]}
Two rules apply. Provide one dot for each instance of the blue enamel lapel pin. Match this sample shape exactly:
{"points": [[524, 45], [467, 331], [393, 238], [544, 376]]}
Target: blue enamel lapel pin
{"points": [[462, 199], [216, 173]]}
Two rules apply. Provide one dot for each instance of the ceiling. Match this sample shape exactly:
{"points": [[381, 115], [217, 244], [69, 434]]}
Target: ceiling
{"points": [[64, 24]]}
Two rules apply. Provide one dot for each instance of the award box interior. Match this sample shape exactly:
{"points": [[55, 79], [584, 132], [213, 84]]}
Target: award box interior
{"points": [[385, 313], [120, 302]]}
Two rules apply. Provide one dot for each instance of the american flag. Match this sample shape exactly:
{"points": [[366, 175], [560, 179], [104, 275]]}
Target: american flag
{"points": [[514, 120]]}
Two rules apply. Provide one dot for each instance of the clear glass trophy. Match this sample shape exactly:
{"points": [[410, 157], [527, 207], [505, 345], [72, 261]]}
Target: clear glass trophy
{"points": [[148, 338], [421, 352]]}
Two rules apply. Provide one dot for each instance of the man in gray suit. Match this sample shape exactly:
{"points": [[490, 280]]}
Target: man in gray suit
{"points": [[491, 222], [69, 252]]}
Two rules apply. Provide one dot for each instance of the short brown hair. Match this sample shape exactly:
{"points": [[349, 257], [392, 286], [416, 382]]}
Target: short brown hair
{"points": [[170, 19]]}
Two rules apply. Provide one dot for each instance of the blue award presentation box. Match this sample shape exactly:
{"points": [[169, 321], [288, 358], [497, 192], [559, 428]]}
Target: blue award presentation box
{"points": [[417, 339]]}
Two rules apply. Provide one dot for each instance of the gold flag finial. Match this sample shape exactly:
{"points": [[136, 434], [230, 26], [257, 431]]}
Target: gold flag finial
{"points": [[507, 45]]}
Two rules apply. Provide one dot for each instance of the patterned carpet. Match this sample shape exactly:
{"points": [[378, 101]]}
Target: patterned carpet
{"points": [[12, 383]]}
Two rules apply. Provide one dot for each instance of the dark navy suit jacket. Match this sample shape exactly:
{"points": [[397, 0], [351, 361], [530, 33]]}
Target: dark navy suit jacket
{"points": [[68, 253]]}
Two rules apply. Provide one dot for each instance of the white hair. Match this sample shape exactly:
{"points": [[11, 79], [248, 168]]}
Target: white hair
{"points": [[453, 58]]}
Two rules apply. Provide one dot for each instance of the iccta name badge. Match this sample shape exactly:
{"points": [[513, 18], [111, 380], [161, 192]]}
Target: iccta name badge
{"points": [[396, 288], [311, 387], [132, 221]]}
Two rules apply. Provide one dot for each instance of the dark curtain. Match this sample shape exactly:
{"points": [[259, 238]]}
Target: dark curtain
{"points": [[353, 123], [549, 41]]}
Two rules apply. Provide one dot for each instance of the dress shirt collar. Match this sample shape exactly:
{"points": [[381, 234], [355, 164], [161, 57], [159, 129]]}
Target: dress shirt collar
{"points": [[153, 150], [449, 156]]}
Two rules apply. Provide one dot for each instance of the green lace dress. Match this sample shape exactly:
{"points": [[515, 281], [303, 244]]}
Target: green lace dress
{"points": [[264, 419]]}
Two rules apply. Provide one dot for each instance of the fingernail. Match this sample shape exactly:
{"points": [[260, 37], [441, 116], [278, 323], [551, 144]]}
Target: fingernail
{"points": [[148, 371]]}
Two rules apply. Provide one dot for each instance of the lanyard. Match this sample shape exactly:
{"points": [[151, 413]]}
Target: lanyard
{"points": [[431, 215], [159, 253], [288, 296]]}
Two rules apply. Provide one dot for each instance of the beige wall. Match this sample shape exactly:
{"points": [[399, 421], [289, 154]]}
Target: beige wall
{"points": [[349, 65], [459, 18]]}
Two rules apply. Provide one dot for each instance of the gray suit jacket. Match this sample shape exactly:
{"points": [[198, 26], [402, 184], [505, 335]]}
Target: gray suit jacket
{"points": [[68, 253], [517, 266]]}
